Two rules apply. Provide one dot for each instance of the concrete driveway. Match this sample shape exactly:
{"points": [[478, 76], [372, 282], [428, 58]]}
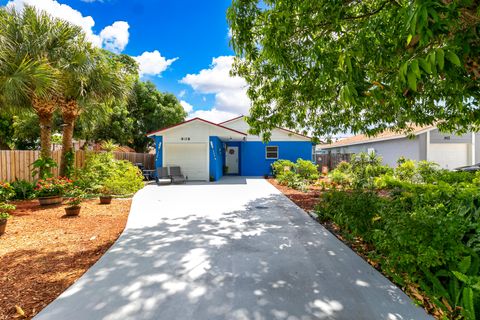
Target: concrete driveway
{"points": [[237, 249]]}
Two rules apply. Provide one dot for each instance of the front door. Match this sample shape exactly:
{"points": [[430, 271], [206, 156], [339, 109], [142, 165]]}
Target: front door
{"points": [[231, 160]]}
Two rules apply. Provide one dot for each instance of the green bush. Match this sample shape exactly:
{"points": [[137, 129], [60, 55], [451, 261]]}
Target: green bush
{"points": [[98, 168], [24, 190], [281, 166], [125, 180], [306, 170], [426, 233], [103, 171]]}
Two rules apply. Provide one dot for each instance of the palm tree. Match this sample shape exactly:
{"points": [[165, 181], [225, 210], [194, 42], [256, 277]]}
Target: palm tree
{"points": [[30, 47], [91, 79]]}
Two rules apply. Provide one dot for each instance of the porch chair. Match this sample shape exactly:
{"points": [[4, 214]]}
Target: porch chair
{"points": [[176, 175], [162, 177]]}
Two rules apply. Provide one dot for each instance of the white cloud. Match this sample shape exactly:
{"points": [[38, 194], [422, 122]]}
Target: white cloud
{"points": [[213, 115], [113, 37], [186, 106], [152, 63], [230, 92], [182, 93]]}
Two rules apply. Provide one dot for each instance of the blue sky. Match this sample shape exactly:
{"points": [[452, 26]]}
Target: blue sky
{"points": [[182, 46]]}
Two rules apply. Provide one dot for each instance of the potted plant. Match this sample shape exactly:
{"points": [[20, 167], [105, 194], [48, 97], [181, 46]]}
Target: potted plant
{"points": [[4, 216], [106, 194], [50, 190], [75, 198]]}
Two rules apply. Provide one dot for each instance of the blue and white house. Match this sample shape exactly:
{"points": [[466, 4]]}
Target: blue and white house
{"points": [[206, 150]]}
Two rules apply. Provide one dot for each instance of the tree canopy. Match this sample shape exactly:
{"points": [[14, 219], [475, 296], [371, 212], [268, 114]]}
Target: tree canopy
{"points": [[147, 110], [358, 66]]}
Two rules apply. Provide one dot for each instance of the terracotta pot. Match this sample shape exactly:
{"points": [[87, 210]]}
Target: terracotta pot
{"points": [[72, 211], [105, 199], [47, 201], [3, 226]]}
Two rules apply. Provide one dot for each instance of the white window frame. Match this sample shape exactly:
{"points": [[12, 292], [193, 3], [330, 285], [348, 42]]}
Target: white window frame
{"points": [[266, 152]]}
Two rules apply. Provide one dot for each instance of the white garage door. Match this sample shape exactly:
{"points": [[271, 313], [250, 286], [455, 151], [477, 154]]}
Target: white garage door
{"points": [[449, 155], [191, 158]]}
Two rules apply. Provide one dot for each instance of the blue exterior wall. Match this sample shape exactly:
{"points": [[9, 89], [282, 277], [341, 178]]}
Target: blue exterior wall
{"points": [[158, 152], [253, 162], [217, 156]]}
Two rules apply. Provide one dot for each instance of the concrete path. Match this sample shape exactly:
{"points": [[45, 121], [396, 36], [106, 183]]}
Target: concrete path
{"points": [[237, 249]]}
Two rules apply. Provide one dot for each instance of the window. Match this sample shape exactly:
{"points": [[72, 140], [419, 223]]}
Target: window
{"points": [[271, 152]]}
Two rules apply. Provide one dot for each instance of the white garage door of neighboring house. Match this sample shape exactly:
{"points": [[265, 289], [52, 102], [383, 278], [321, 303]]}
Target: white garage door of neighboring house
{"points": [[449, 155], [192, 159]]}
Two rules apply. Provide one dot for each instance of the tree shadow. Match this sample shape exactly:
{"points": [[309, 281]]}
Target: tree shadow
{"points": [[268, 260]]}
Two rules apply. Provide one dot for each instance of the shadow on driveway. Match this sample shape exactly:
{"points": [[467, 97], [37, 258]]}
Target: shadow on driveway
{"points": [[268, 260]]}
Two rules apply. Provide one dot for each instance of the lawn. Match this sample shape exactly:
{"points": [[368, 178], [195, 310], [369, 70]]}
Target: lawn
{"points": [[43, 252]]}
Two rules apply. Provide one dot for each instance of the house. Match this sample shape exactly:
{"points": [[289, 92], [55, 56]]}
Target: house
{"points": [[427, 143], [206, 150]]}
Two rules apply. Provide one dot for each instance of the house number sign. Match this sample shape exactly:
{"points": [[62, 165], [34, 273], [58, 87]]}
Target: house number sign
{"points": [[185, 138]]}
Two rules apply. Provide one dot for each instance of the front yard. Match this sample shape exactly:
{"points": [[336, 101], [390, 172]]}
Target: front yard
{"points": [[43, 252]]}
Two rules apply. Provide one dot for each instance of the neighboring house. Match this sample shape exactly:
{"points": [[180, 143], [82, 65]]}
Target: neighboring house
{"points": [[428, 143], [206, 151]]}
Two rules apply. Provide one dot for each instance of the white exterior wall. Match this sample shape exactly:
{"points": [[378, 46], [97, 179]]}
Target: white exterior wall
{"points": [[389, 150], [277, 134]]}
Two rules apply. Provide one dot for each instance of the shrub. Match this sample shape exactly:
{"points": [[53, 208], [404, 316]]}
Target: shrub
{"points": [[425, 233], [341, 178], [24, 190], [126, 179], [98, 168], [6, 191], [365, 168], [281, 166], [306, 170]]}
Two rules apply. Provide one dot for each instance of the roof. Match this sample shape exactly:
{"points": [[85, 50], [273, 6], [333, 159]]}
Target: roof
{"points": [[191, 120], [283, 129], [384, 136]]}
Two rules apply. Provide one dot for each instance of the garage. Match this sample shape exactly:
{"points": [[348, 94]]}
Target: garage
{"points": [[191, 158], [449, 155]]}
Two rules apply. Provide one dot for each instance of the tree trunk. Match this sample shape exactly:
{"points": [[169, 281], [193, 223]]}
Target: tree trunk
{"points": [[69, 115], [44, 110]]}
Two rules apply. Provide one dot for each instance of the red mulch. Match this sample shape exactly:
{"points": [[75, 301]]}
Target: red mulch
{"points": [[43, 252], [305, 200]]}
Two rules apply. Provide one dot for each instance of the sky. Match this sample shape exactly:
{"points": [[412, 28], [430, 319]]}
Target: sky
{"points": [[181, 45]]}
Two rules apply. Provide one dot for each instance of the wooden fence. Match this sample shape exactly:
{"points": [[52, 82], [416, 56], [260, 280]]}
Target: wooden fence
{"points": [[16, 164], [331, 160]]}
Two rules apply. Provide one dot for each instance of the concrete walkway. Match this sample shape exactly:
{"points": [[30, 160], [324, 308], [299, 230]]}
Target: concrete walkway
{"points": [[237, 249]]}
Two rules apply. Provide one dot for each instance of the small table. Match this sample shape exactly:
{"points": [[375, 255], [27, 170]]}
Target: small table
{"points": [[148, 174]]}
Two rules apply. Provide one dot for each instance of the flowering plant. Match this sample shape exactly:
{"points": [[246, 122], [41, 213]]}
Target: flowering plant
{"points": [[6, 191], [50, 187]]}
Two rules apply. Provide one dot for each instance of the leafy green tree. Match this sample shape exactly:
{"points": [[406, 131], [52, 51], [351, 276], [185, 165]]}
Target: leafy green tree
{"points": [[147, 110], [152, 110], [360, 66]]}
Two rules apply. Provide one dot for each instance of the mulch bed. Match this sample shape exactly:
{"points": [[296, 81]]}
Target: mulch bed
{"points": [[43, 252], [305, 200]]}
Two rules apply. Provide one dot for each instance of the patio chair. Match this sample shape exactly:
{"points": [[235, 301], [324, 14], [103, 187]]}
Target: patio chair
{"points": [[162, 177], [176, 175]]}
